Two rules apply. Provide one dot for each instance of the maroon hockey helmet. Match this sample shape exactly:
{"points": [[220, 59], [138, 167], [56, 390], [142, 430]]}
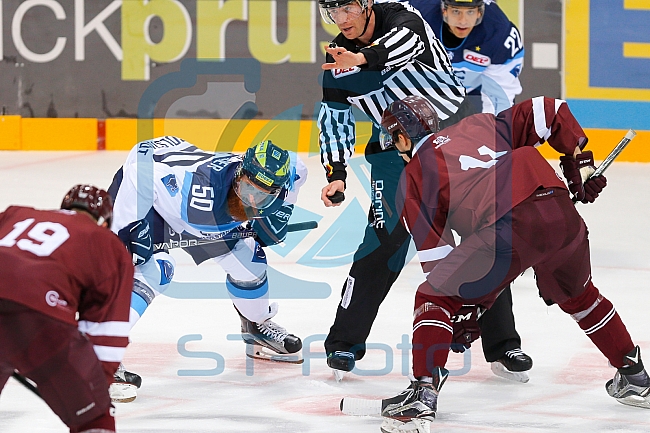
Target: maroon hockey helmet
{"points": [[413, 116], [91, 199]]}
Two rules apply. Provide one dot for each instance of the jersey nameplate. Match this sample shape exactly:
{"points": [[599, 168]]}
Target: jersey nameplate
{"points": [[476, 58], [340, 73]]}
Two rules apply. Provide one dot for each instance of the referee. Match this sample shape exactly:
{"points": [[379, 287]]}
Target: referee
{"points": [[384, 52]]}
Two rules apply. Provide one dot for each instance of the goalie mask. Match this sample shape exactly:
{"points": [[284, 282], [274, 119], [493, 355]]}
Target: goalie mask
{"points": [[90, 199], [262, 174]]}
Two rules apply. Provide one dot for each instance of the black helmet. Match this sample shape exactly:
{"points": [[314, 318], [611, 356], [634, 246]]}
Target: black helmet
{"points": [[413, 115], [324, 5], [480, 4], [91, 199]]}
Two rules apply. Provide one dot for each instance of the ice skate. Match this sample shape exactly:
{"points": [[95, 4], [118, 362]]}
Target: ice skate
{"points": [[631, 384], [124, 389], [415, 407], [341, 363], [270, 341], [513, 366]]}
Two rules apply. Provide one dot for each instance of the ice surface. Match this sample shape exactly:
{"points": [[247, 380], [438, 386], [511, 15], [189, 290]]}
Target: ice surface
{"points": [[180, 393]]}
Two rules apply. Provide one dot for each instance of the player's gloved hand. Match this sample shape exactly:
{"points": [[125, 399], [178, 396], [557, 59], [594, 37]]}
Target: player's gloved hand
{"points": [[593, 187], [576, 171], [137, 238], [466, 329]]}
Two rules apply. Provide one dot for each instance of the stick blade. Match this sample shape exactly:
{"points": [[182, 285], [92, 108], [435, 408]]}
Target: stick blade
{"points": [[360, 406]]}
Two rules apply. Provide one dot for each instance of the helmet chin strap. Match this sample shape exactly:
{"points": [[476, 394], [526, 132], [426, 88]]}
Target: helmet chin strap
{"points": [[367, 22], [408, 152]]}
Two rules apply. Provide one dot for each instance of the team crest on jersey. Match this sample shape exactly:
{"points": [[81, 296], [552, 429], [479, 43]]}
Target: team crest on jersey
{"points": [[515, 71], [440, 140], [171, 184], [340, 73], [476, 58]]}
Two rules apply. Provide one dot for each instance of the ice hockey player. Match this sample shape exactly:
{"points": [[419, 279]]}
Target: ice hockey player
{"points": [[487, 54], [484, 46], [65, 288], [484, 179], [168, 189]]}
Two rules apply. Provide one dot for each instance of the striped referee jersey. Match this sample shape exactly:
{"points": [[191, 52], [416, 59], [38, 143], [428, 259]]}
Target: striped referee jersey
{"points": [[404, 58]]}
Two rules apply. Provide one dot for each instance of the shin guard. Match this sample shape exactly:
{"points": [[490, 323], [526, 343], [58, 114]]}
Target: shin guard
{"points": [[432, 335], [597, 316]]}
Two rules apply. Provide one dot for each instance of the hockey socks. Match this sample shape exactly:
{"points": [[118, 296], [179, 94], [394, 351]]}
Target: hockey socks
{"points": [[597, 317], [432, 335]]}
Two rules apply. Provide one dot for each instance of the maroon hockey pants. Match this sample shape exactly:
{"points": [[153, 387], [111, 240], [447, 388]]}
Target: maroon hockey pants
{"points": [[61, 362], [544, 232]]}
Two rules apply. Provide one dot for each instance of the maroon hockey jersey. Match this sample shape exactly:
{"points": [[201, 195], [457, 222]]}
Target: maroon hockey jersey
{"points": [[61, 263], [472, 173]]}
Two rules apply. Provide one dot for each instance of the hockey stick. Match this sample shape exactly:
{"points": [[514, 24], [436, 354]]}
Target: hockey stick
{"points": [[629, 135], [230, 235], [26, 383], [361, 406]]}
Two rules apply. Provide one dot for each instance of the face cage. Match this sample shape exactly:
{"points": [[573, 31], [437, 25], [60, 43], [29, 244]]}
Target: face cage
{"points": [[252, 195], [327, 17]]}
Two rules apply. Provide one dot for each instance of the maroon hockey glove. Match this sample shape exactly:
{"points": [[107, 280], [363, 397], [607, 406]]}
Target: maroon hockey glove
{"points": [[593, 187], [576, 171], [466, 329]]}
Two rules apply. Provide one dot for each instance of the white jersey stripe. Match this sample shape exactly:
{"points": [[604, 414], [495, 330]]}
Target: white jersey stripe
{"points": [[109, 353], [436, 253], [539, 114], [104, 329]]}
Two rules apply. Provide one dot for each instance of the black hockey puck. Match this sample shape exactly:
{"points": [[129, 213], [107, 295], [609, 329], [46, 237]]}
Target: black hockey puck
{"points": [[337, 197]]}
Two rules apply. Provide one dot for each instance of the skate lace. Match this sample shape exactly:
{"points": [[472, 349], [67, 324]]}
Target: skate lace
{"points": [[514, 353], [273, 330]]}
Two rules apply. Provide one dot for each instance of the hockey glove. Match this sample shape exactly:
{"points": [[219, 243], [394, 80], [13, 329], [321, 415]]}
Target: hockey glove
{"points": [[466, 329], [137, 238], [593, 187], [576, 171]]}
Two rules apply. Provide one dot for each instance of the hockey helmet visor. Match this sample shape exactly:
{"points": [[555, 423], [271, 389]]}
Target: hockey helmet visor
{"points": [[262, 174], [341, 10]]}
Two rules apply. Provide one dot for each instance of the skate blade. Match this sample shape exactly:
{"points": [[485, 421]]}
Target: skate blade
{"points": [[415, 425], [122, 392], [501, 371], [260, 352], [339, 374], [636, 401]]}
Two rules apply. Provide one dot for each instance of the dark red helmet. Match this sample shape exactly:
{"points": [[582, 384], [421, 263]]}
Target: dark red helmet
{"points": [[91, 199], [414, 116]]}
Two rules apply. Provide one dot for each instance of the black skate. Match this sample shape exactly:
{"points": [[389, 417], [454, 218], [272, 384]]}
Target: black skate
{"points": [[340, 362], [513, 365], [415, 407], [631, 384], [270, 341], [125, 385]]}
